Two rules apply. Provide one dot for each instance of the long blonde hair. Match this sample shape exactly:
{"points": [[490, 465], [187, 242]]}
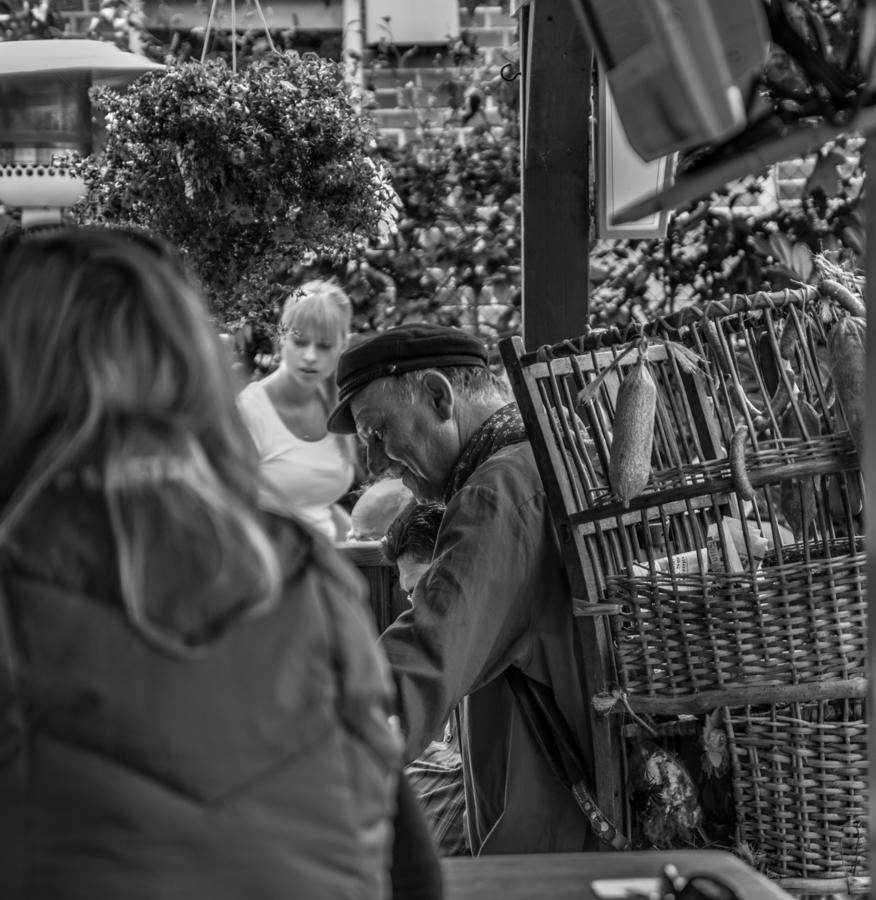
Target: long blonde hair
{"points": [[322, 310], [107, 355]]}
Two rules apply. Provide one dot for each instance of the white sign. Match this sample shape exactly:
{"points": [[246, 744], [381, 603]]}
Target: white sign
{"points": [[622, 176], [411, 21]]}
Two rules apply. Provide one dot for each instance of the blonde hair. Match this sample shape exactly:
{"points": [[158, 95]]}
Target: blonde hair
{"points": [[106, 355], [322, 311]]}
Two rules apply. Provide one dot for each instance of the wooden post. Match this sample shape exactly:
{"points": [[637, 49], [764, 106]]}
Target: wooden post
{"points": [[555, 191], [868, 461], [555, 151]]}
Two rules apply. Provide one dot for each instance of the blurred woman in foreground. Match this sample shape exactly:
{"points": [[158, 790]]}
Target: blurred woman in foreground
{"points": [[191, 703]]}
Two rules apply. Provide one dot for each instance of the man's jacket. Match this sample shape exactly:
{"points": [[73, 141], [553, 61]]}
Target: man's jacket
{"points": [[496, 595]]}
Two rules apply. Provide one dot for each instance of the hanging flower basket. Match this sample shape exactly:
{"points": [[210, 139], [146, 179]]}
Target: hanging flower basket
{"points": [[245, 172]]}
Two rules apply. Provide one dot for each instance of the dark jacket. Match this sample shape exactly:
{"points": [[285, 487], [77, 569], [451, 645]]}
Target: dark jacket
{"points": [[496, 595], [266, 769]]}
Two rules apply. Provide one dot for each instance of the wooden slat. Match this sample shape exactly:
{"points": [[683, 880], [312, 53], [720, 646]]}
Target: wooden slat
{"points": [[555, 187], [754, 695]]}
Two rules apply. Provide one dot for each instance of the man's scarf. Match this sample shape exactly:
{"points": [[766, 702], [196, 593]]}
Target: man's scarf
{"points": [[503, 428]]}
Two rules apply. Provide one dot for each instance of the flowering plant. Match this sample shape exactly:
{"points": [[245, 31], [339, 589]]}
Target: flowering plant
{"points": [[243, 172]]}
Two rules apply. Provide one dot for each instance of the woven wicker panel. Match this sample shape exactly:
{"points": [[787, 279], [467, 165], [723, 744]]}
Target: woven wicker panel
{"points": [[800, 787], [801, 621], [717, 368]]}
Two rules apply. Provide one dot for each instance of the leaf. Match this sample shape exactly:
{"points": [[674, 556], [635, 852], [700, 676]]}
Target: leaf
{"points": [[761, 245], [825, 176], [781, 249], [589, 391], [853, 237], [688, 361], [802, 262]]}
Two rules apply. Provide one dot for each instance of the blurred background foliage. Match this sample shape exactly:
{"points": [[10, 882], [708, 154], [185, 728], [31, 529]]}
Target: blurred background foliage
{"points": [[455, 256]]}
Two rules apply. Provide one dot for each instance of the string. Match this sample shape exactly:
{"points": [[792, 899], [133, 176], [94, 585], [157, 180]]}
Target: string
{"points": [[258, 7], [207, 31], [234, 37]]}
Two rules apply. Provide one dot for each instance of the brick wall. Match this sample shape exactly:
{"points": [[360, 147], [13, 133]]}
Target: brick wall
{"points": [[409, 91], [406, 88]]}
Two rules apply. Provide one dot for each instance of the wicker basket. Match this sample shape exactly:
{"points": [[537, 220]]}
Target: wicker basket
{"points": [[799, 783], [801, 621], [717, 368], [778, 644]]}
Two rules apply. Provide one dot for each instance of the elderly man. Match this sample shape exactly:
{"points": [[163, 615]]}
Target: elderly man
{"points": [[430, 411]]}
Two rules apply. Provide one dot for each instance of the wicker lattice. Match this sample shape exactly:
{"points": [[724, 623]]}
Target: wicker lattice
{"points": [[800, 779], [737, 592], [799, 622], [716, 368]]}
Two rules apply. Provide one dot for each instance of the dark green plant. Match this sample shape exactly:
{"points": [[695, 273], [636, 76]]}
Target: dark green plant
{"points": [[245, 172]]}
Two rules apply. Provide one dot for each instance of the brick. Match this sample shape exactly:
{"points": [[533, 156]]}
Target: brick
{"points": [[478, 19], [497, 56], [416, 57], [396, 118], [491, 37], [378, 79], [493, 115], [789, 189], [432, 79], [497, 19], [396, 136], [426, 80], [388, 99], [79, 22], [794, 168]]}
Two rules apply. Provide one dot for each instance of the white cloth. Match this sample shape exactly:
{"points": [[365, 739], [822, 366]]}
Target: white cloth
{"points": [[304, 478]]}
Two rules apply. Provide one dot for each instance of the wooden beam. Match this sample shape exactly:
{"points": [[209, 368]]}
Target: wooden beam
{"points": [[868, 457], [555, 152], [555, 135]]}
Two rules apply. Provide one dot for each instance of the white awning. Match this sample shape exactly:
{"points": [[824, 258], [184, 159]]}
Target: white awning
{"points": [[107, 63]]}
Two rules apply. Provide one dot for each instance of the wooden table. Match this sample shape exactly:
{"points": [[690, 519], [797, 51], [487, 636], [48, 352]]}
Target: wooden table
{"points": [[387, 598], [569, 876]]}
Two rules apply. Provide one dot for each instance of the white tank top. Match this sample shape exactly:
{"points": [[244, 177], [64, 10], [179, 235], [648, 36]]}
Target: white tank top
{"points": [[299, 477]]}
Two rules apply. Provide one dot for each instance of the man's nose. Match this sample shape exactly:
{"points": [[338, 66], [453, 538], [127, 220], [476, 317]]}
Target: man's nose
{"points": [[378, 461]]}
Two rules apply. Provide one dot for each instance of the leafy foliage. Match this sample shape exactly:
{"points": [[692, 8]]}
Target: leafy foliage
{"points": [[455, 256], [760, 233], [244, 172], [27, 20], [740, 240]]}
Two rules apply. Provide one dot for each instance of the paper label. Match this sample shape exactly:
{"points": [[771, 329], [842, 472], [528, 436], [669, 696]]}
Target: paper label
{"points": [[689, 563], [728, 551]]}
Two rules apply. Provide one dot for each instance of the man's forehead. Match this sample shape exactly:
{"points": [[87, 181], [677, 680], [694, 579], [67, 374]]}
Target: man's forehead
{"points": [[371, 402]]}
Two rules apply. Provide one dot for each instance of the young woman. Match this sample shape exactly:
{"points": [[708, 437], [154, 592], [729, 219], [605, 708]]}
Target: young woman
{"points": [[305, 470], [191, 699]]}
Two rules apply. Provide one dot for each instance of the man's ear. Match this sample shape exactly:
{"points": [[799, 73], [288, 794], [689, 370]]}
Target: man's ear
{"points": [[439, 393]]}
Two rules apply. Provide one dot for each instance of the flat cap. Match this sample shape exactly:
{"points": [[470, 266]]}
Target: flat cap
{"points": [[404, 348]]}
